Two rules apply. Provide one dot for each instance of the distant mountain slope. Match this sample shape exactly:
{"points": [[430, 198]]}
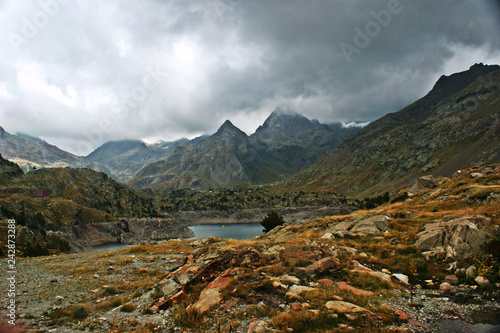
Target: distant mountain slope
{"points": [[457, 124], [284, 144], [30, 153], [76, 196], [125, 158], [8, 170]]}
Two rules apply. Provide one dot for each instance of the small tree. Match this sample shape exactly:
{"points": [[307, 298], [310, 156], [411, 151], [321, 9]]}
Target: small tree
{"points": [[271, 221]]}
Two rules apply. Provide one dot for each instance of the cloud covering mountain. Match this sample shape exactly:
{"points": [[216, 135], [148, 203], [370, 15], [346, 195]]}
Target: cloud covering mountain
{"points": [[80, 73]]}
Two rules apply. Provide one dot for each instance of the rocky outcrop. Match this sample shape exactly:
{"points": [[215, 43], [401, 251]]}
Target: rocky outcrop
{"points": [[456, 239], [362, 225], [423, 183], [211, 295]]}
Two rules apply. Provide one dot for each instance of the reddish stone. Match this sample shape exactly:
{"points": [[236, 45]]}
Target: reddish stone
{"points": [[177, 298], [296, 306], [325, 282], [402, 316], [323, 265], [295, 254], [418, 324], [210, 296]]}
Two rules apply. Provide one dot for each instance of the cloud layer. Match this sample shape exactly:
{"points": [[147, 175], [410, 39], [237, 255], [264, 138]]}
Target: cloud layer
{"points": [[81, 72]]}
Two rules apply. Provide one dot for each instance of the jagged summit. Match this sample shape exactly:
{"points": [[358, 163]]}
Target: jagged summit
{"points": [[458, 81], [228, 129]]}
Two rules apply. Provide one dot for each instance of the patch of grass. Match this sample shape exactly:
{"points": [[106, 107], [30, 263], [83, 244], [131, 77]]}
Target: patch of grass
{"points": [[189, 318], [305, 321], [127, 307], [112, 302], [72, 312]]}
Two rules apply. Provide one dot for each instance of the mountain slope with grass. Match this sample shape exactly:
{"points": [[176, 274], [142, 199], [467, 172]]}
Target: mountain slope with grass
{"points": [[457, 124], [74, 197]]}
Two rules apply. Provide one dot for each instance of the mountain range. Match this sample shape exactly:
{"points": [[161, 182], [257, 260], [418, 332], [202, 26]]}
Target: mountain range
{"points": [[284, 144], [454, 126]]}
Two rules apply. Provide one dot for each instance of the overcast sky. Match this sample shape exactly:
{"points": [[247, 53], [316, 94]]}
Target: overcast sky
{"points": [[78, 73]]}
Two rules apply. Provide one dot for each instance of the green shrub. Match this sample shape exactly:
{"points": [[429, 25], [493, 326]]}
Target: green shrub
{"points": [[271, 221]]}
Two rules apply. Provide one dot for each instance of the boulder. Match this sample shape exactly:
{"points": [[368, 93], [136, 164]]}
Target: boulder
{"points": [[445, 286], [421, 184], [344, 307], [210, 296], [369, 225], [362, 225], [296, 290], [482, 281], [401, 278], [322, 266], [471, 272], [456, 239]]}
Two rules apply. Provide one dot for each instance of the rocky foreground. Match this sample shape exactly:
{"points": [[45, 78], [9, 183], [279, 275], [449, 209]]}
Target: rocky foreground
{"points": [[424, 263]]}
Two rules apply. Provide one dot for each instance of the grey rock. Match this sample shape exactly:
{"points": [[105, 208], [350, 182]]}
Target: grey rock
{"points": [[471, 272], [456, 239]]}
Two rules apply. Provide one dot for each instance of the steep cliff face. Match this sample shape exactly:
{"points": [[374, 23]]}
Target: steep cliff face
{"points": [[457, 124]]}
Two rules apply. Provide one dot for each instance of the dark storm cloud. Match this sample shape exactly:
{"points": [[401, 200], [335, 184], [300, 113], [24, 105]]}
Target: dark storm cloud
{"points": [[96, 71]]}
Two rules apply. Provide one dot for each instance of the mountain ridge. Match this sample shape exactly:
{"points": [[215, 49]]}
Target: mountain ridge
{"points": [[231, 157], [454, 126]]}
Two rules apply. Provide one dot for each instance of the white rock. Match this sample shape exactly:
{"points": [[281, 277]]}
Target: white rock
{"points": [[401, 278]]}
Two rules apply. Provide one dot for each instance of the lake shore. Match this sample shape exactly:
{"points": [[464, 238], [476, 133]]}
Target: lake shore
{"points": [[290, 214]]}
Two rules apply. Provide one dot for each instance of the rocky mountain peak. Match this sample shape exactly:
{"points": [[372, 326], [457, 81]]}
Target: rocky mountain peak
{"points": [[2, 132], [228, 129], [281, 124], [283, 119], [447, 85]]}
